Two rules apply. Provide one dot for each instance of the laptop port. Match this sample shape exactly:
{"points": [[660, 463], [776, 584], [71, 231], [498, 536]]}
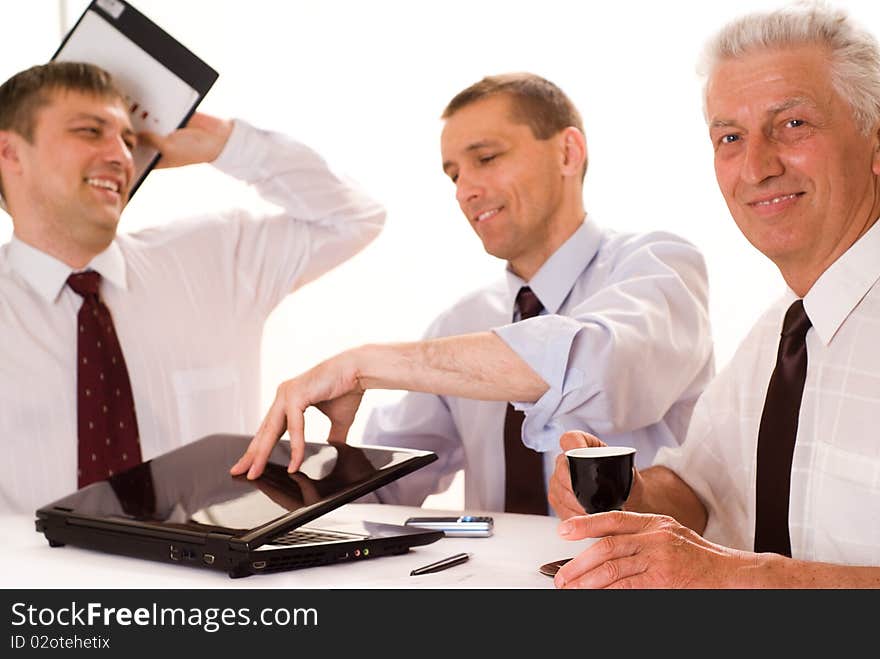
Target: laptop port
{"points": [[174, 553], [208, 558], [258, 565]]}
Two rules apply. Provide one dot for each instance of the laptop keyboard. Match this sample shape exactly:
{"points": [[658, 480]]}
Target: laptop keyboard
{"points": [[312, 536]]}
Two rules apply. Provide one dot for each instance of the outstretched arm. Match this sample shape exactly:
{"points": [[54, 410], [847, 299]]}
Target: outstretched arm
{"points": [[477, 366]]}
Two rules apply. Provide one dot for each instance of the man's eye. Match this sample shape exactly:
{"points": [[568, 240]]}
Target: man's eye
{"points": [[88, 130], [794, 123], [728, 139], [489, 158]]}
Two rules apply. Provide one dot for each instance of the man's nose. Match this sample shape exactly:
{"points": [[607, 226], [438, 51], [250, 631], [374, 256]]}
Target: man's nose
{"points": [[761, 160], [467, 188], [118, 152]]}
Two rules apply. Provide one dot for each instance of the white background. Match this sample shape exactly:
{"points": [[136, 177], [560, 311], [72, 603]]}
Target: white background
{"points": [[365, 82]]}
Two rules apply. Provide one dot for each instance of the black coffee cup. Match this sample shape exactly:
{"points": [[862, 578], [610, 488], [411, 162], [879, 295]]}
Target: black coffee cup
{"points": [[601, 476]]}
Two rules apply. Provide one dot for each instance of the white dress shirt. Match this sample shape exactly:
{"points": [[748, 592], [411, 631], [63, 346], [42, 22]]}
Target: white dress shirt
{"points": [[624, 344], [834, 508], [188, 300]]}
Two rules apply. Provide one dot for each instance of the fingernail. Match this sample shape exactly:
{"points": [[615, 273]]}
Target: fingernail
{"points": [[565, 528], [559, 580]]}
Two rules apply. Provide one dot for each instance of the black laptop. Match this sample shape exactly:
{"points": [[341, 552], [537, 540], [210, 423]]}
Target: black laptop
{"points": [[184, 507]]}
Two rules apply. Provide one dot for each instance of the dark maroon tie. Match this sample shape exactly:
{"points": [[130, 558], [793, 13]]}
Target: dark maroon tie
{"points": [[777, 433], [106, 421], [523, 467]]}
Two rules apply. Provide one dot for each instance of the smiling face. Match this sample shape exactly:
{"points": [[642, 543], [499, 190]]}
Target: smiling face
{"points": [[73, 179], [799, 177], [520, 194]]}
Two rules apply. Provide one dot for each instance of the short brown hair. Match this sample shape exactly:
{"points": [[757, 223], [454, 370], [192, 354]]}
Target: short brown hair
{"points": [[27, 91], [22, 96], [537, 102]]}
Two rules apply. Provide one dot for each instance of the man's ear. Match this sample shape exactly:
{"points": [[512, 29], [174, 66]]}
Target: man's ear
{"points": [[9, 150], [875, 160], [574, 151]]}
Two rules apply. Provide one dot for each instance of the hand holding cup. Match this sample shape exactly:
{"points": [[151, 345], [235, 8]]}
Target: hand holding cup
{"points": [[601, 476]]}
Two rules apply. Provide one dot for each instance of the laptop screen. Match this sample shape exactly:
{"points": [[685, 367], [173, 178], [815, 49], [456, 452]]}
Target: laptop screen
{"points": [[190, 488]]}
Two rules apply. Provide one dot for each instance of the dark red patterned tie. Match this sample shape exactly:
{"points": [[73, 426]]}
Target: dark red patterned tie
{"points": [[523, 467], [777, 433], [106, 421]]}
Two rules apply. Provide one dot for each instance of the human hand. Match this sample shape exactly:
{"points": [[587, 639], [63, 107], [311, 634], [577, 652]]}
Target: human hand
{"points": [[637, 550], [201, 140], [560, 495], [331, 386]]}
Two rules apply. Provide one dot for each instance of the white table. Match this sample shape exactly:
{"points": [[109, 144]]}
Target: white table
{"points": [[508, 559]]}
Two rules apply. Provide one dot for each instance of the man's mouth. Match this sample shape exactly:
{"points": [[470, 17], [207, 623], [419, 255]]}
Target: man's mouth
{"points": [[104, 183], [775, 201], [485, 215]]}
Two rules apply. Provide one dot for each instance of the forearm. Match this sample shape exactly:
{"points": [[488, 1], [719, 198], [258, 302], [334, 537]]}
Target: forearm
{"points": [[659, 490], [296, 178], [479, 366], [775, 571]]}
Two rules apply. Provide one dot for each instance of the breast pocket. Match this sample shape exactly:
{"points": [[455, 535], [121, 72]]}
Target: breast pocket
{"points": [[846, 498], [208, 401]]}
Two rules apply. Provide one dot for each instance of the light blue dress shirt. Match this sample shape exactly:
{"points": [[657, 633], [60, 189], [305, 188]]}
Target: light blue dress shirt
{"points": [[624, 344]]}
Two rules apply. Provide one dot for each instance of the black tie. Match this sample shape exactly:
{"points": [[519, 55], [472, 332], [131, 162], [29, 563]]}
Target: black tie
{"points": [[523, 467], [777, 433]]}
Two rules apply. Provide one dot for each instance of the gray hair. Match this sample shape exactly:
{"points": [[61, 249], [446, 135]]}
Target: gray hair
{"points": [[854, 55]]}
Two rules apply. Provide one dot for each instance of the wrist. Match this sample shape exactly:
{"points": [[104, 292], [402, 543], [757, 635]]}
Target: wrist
{"points": [[361, 363]]}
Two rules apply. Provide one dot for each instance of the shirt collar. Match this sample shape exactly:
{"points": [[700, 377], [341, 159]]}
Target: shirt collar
{"points": [[555, 279], [48, 276], [842, 286]]}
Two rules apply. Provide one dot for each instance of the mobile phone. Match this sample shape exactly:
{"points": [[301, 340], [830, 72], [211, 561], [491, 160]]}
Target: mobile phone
{"points": [[466, 526]]}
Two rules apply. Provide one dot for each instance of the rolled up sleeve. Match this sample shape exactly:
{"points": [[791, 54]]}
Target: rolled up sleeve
{"points": [[623, 356]]}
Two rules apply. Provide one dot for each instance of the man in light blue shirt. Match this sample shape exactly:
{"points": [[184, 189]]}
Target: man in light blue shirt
{"points": [[622, 345]]}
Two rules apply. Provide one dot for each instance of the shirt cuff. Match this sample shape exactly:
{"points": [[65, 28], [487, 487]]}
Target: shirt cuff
{"points": [[244, 153], [544, 343]]}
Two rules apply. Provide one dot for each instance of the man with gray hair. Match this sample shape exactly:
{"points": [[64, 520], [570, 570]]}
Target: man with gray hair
{"points": [[778, 482]]}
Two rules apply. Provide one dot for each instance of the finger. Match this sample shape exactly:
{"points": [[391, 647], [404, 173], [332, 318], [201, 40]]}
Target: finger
{"points": [[296, 426], [152, 140], [603, 550], [338, 432], [267, 436], [200, 120], [245, 461], [560, 494], [616, 522], [578, 439], [608, 574]]}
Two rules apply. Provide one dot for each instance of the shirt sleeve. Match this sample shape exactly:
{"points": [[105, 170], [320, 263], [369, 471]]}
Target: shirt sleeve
{"points": [[322, 219], [625, 354]]}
